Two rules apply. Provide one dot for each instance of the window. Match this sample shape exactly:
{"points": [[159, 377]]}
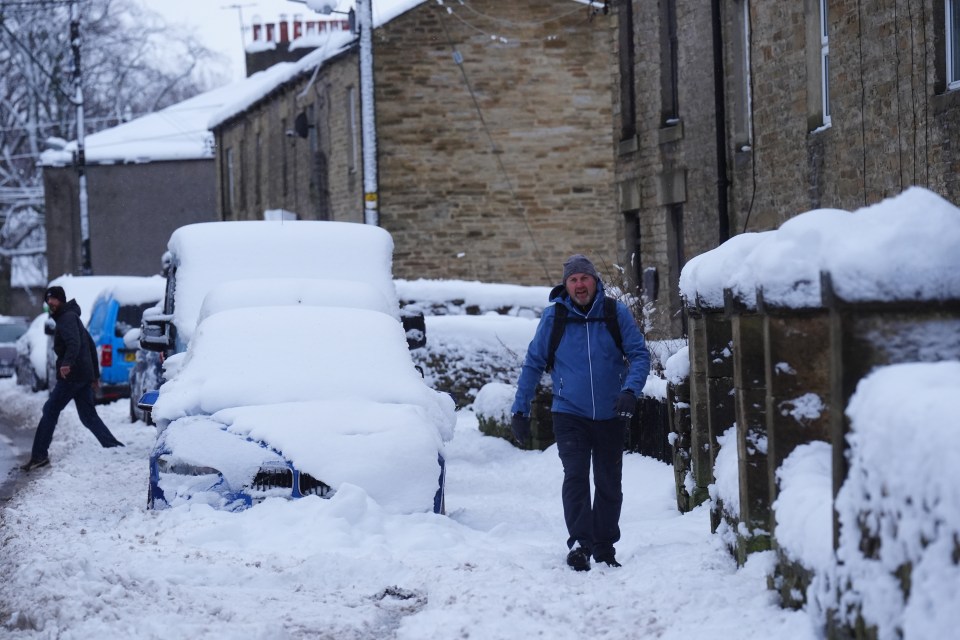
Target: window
{"points": [[669, 81], [312, 130], [676, 257], [258, 172], [742, 121], [824, 63], [241, 178], [953, 43], [283, 161], [351, 129], [228, 182], [628, 93]]}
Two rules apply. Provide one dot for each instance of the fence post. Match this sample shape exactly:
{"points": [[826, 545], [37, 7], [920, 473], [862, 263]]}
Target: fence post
{"points": [[700, 463], [749, 383]]}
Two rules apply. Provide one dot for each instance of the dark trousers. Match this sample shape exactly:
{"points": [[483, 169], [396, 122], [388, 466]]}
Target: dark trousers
{"points": [[82, 395], [596, 526]]}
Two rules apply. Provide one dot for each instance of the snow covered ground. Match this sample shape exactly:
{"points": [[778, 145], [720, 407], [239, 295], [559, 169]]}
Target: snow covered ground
{"points": [[82, 558]]}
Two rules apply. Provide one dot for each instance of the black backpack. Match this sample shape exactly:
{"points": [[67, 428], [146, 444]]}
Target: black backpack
{"points": [[562, 317]]}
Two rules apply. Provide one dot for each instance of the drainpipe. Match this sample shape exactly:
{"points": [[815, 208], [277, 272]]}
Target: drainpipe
{"points": [[368, 123], [721, 124]]}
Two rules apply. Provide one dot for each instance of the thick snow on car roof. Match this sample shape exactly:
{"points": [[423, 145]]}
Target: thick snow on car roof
{"points": [[136, 290], [281, 292], [86, 289], [207, 254], [272, 355]]}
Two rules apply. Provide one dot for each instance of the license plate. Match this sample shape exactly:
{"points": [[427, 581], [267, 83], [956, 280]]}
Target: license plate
{"points": [[130, 356]]}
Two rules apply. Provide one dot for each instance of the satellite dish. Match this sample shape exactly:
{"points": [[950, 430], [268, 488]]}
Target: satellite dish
{"points": [[300, 125]]}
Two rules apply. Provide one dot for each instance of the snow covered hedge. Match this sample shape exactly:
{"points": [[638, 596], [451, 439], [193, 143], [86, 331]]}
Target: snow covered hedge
{"points": [[899, 509]]}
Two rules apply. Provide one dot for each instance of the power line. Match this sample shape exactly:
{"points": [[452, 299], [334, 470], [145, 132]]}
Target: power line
{"points": [[458, 58]]}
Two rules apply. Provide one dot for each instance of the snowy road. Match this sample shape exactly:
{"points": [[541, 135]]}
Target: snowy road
{"points": [[82, 558]]}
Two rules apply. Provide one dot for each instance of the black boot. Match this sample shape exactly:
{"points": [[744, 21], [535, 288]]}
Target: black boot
{"points": [[579, 559]]}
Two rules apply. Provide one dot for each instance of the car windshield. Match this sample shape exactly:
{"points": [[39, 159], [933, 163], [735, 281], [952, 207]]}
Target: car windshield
{"points": [[128, 317], [10, 332]]}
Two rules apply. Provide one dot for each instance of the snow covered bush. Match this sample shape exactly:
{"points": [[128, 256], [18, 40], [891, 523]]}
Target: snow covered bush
{"points": [[899, 508]]}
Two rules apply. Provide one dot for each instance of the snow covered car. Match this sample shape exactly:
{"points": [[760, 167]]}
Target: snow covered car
{"points": [[202, 256], [116, 311], [10, 331], [35, 357], [294, 401]]}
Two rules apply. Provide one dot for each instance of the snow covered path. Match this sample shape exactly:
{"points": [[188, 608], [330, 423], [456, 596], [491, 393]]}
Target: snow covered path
{"points": [[82, 558]]}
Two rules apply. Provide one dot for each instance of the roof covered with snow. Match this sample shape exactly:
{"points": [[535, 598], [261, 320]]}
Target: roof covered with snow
{"points": [[178, 132]]}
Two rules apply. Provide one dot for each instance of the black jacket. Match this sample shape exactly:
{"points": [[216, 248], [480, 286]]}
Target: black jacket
{"points": [[74, 346]]}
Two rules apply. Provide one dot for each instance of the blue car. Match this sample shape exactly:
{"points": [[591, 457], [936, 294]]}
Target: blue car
{"points": [[112, 316]]}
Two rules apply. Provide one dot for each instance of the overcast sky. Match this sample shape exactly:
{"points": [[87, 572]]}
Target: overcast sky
{"points": [[217, 22]]}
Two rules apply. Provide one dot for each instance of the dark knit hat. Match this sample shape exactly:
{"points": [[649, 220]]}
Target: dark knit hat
{"points": [[578, 264], [55, 292]]}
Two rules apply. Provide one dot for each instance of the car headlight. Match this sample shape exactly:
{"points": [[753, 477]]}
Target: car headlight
{"points": [[167, 464]]}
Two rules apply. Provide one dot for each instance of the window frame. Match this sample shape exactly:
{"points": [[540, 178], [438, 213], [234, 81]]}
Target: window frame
{"points": [[352, 130], [952, 39], [825, 65]]}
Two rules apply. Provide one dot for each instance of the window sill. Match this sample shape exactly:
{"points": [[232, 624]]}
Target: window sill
{"points": [[945, 101], [628, 146], [670, 133]]}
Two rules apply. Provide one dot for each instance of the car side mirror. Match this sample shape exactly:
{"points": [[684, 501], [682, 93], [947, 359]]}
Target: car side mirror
{"points": [[415, 326], [156, 332], [131, 339], [147, 400], [49, 326]]}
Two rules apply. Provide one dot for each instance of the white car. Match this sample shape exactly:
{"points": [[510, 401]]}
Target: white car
{"points": [[292, 401]]}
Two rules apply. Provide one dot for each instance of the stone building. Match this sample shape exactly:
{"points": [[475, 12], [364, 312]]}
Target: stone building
{"points": [[492, 132], [732, 116]]}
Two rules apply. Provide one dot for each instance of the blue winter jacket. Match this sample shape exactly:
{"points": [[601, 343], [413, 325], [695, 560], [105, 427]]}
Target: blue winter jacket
{"points": [[589, 370]]}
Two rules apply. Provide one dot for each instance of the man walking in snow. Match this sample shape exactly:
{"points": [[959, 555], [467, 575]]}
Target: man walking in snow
{"points": [[77, 373], [599, 366]]}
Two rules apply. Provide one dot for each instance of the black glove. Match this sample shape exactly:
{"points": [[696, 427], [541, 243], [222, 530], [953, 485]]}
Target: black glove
{"points": [[626, 404], [520, 426]]}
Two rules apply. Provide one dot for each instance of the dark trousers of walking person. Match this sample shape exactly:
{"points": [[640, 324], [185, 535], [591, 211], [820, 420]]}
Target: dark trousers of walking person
{"points": [[82, 395], [580, 441]]}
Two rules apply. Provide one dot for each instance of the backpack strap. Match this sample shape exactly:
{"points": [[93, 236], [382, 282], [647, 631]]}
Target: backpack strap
{"points": [[556, 333], [561, 318], [610, 316]]}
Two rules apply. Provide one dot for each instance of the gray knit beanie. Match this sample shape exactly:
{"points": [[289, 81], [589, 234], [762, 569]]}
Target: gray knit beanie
{"points": [[579, 264]]}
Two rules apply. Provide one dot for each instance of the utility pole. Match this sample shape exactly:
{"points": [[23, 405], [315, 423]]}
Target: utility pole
{"points": [[86, 264], [368, 118]]}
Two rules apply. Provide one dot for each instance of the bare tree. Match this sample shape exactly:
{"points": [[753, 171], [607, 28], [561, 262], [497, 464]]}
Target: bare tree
{"points": [[132, 64]]}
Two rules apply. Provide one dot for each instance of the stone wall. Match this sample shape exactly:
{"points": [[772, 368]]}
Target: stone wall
{"points": [[497, 168], [494, 169], [893, 124], [318, 177]]}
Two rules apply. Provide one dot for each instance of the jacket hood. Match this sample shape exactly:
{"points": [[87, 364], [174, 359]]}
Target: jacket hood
{"points": [[69, 306]]}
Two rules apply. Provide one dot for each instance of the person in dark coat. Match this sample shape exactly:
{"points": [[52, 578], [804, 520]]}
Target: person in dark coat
{"points": [[77, 374], [596, 383]]}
